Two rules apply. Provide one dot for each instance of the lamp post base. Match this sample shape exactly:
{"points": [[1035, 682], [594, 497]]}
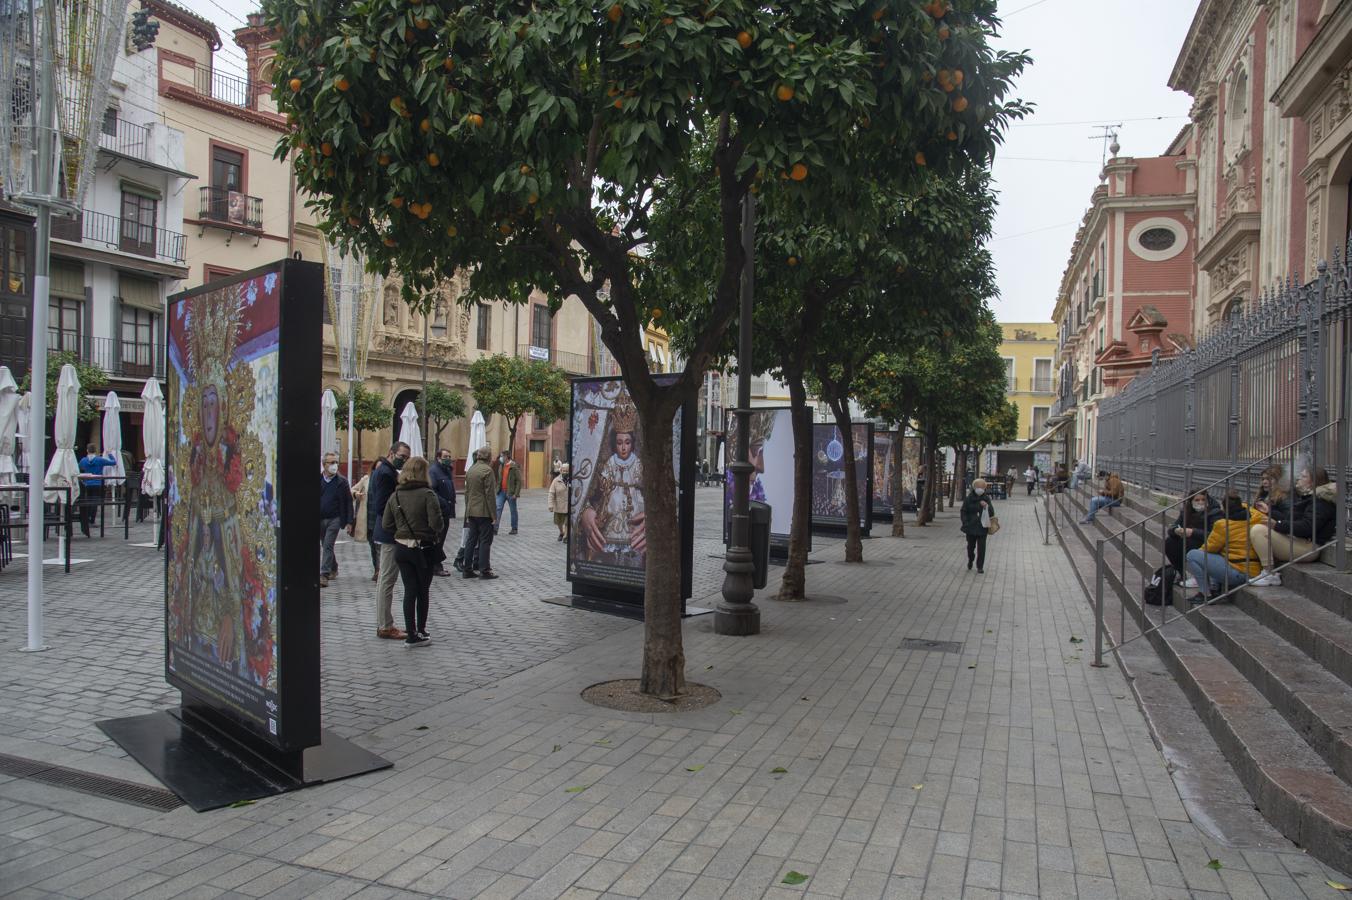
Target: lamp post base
{"points": [[742, 620], [736, 615]]}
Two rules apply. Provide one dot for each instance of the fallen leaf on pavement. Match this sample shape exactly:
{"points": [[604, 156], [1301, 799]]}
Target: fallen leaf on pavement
{"points": [[778, 770], [916, 787], [576, 790], [1215, 865], [1337, 885], [557, 748], [695, 768], [239, 803], [795, 877], [1076, 640]]}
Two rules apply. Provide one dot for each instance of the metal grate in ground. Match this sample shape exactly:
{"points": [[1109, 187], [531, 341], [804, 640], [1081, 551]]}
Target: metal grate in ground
{"points": [[89, 783], [927, 644]]}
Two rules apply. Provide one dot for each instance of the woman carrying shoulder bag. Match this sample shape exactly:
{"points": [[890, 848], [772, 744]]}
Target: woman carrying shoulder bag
{"points": [[978, 521], [413, 514]]}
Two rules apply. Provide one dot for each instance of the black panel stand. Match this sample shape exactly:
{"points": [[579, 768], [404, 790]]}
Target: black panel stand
{"points": [[622, 608], [210, 764]]}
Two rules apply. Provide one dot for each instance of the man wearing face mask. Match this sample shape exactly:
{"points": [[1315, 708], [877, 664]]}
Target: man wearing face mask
{"points": [[383, 482], [335, 512], [443, 485]]}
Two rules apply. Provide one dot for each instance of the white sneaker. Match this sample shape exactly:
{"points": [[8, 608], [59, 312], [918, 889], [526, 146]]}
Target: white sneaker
{"points": [[1188, 583], [1266, 579]]}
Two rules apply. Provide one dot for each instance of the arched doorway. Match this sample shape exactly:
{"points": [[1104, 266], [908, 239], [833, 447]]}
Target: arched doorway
{"points": [[401, 399]]}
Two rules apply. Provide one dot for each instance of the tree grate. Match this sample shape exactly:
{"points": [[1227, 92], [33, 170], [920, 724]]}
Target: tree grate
{"points": [[89, 783], [927, 644]]}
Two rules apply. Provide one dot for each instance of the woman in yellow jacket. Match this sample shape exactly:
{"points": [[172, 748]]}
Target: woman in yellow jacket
{"points": [[1227, 559]]}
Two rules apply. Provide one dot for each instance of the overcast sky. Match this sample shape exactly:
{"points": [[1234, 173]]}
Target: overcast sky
{"points": [[1095, 62]]}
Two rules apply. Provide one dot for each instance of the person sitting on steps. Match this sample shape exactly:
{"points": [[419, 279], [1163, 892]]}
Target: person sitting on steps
{"points": [[1190, 531], [1297, 525], [1111, 495], [1227, 559]]}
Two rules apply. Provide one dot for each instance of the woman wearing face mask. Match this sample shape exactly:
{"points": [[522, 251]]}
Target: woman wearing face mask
{"points": [[977, 510], [1189, 532], [1296, 527], [1227, 559]]}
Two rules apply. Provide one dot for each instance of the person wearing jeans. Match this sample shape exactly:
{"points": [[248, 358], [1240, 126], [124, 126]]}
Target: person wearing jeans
{"points": [[335, 514], [1110, 496], [1227, 559], [508, 475], [413, 516]]}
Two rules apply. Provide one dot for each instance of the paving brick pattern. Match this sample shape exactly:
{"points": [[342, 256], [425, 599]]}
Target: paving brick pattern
{"points": [[1010, 768]]}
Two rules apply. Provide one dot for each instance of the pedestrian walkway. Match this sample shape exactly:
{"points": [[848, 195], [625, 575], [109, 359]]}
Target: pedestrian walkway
{"points": [[917, 731]]}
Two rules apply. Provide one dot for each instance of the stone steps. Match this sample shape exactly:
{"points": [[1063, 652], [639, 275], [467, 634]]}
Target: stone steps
{"points": [[1268, 675]]}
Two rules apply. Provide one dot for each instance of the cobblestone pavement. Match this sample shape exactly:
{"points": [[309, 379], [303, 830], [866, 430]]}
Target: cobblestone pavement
{"points": [[1007, 767]]}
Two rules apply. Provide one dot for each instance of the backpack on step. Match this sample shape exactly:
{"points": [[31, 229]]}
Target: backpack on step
{"points": [[1159, 590]]}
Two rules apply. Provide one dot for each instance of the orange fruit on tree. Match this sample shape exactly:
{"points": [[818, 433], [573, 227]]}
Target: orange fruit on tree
{"points": [[957, 77], [451, 231], [668, 20], [959, 104], [326, 148], [784, 92], [619, 103], [615, 12], [533, 199], [920, 159], [353, 220], [744, 39], [952, 135], [798, 172], [433, 160], [505, 228], [879, 13], [792, 260], [448, 64], [476, 120], [389, 242], [423, 24], [425, 126], [383, 159], [397, 202], [294, 84], [408, 35], [655, 312], [342, 83], [944, 32]]}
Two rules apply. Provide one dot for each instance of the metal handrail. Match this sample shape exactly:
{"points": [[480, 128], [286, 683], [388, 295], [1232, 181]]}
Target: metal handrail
{"points": [[1294, 450]]}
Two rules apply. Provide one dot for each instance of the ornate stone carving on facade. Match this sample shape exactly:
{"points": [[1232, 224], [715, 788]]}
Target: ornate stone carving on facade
{"points": [[391, 306], [1230, 269], [408, 348]]}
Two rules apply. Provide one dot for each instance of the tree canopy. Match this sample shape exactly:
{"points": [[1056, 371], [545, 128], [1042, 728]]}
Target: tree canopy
{"points": [[92, 379], [511, 387], [442, 406]]}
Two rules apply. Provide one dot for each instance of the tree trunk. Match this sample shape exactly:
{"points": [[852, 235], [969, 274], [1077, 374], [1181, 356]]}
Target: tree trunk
{"points": [[663, 652], [793, 587], [927, 453], [959, 475], [898, 515], [854, 543], [359, 453]]}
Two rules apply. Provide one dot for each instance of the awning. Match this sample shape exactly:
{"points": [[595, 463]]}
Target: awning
{"points": [[1046, 435]]}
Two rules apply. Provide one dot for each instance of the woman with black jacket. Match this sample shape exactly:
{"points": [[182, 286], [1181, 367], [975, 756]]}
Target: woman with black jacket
{"points": [[413, 515], [1297, 525], [976, 504], [1189, 532]]}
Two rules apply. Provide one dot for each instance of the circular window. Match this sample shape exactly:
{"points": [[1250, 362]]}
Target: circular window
{"points": [[1157, 238]]}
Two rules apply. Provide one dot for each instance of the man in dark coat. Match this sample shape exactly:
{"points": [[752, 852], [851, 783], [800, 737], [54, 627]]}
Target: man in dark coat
{"points": [[335, 514], [384, 479], [443, 485]]}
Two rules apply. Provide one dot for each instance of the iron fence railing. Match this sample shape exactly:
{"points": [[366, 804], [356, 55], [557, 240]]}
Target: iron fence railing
{"points": [[1252, 385], [117, 233], [126, 138], [574, 363], [231, 207], [125, 359]]}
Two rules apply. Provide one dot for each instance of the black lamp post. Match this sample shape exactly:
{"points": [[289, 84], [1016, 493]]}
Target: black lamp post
{"points": [[736, 614]]}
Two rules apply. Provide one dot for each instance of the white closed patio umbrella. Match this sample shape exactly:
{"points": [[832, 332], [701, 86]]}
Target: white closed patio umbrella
{"points": [[112, 434], [478, 436], [64, 470], [411, 434], [20, 434], [9, 423], [152, 435], [328, 424]]}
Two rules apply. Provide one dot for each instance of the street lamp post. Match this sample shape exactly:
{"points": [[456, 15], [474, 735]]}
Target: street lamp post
{"points": [[736, 614]]}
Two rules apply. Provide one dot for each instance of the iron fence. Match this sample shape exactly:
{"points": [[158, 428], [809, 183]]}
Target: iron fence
{"points": [[1251, 386]]}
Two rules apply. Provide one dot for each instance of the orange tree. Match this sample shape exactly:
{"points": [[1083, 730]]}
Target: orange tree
{"points": [[526, 143]]}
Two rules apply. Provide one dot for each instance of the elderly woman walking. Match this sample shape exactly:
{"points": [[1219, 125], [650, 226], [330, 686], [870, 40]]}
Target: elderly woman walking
{"points": [[977, 513]]}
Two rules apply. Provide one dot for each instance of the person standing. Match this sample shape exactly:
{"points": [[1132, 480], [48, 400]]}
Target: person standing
{"points": [[558, 500], [443, 485], [413, 516], [384, 480], [479, 513], [91, 485], [976, 519], [1030, 479], [509, 485], [335, 513]]}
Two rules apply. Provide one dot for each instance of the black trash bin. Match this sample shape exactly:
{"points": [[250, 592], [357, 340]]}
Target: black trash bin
{"points": [[760, 541]]}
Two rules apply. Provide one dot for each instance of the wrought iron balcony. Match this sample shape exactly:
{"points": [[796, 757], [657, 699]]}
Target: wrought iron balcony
{"points": [[575, 363], [120, 359], [231, 208], [126, 235], [1041, 385]]}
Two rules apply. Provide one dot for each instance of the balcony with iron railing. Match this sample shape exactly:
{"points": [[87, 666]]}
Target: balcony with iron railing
{"points": [[120, 359], [1041, 384], [231, 208], [573, 363], [124, 235]]}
